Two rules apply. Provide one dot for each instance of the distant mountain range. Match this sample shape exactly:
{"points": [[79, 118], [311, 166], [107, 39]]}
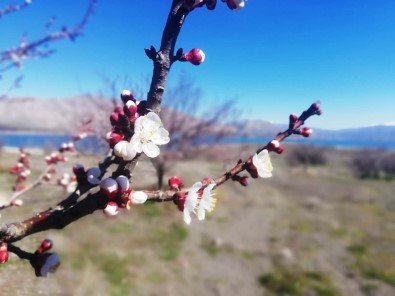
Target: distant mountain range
{"points": [[59, 116]]}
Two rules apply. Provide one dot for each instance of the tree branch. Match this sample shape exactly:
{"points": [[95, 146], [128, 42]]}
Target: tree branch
{"points": [[13, 57], [165, 56]]}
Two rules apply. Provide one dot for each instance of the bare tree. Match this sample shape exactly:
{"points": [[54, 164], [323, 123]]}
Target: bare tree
{"points": [[136, 131], [14, 56]]}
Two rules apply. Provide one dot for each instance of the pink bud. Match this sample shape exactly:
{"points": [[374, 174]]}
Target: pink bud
{"points": [[315, 108], [48, 159], [114, 138], [22, 176], [62, 147], [130, 108], [134, 117], [17, 202], [279, 150], [306, 132], [61, 158], [78, 169], [52, 171], [253, 171], [235, 4], [127, 95], [293, 118], [111, 209], [109, 187], [3, 253], [114, 118], [47, 177], [71, 147], [273, 145], [244, 181], [195, 56], [79, 137], [175, 183]]}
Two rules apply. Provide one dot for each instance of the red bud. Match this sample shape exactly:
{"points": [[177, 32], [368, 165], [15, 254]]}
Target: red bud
{"points": [[3, 253], [45, 246], [175, 183]]}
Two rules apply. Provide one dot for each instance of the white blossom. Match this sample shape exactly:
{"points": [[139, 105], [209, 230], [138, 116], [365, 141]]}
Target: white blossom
{"points": [[194, 203], [148, 133], [263, 164]]}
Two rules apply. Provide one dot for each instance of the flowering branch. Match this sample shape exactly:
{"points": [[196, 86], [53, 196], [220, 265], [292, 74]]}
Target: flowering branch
{"points": [[136, 130], [13, 57]]}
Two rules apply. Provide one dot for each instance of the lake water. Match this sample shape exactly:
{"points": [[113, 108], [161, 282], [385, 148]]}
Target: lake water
{"points": [[55, 140], [50, 141]]}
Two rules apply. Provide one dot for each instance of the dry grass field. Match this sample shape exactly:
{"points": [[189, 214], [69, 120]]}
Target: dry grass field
{"points": [[309, 230]]}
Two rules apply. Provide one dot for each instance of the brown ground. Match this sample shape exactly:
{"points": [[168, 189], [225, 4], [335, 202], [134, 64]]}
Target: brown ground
{"points": [[306, 231]]}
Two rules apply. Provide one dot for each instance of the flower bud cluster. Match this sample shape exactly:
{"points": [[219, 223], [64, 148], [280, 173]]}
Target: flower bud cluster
{"points": [[21, 170], [120, 195], [134, 130], [54, 158], [122, 119]]}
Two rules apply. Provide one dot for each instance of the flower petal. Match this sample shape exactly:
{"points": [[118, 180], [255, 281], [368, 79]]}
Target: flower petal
{"points": [[125, 150], [161, 137], [187, 217], [135, 141], [263, 164], [152, 116], [207, 201], [150, 149]]}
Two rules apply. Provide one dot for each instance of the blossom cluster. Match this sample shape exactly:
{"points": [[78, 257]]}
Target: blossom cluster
{"points": [[198, 200], [120, 195], [135, 131], [21, 170]]}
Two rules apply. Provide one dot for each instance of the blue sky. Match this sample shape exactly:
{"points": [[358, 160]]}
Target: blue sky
{"points": [[274, 56]]}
